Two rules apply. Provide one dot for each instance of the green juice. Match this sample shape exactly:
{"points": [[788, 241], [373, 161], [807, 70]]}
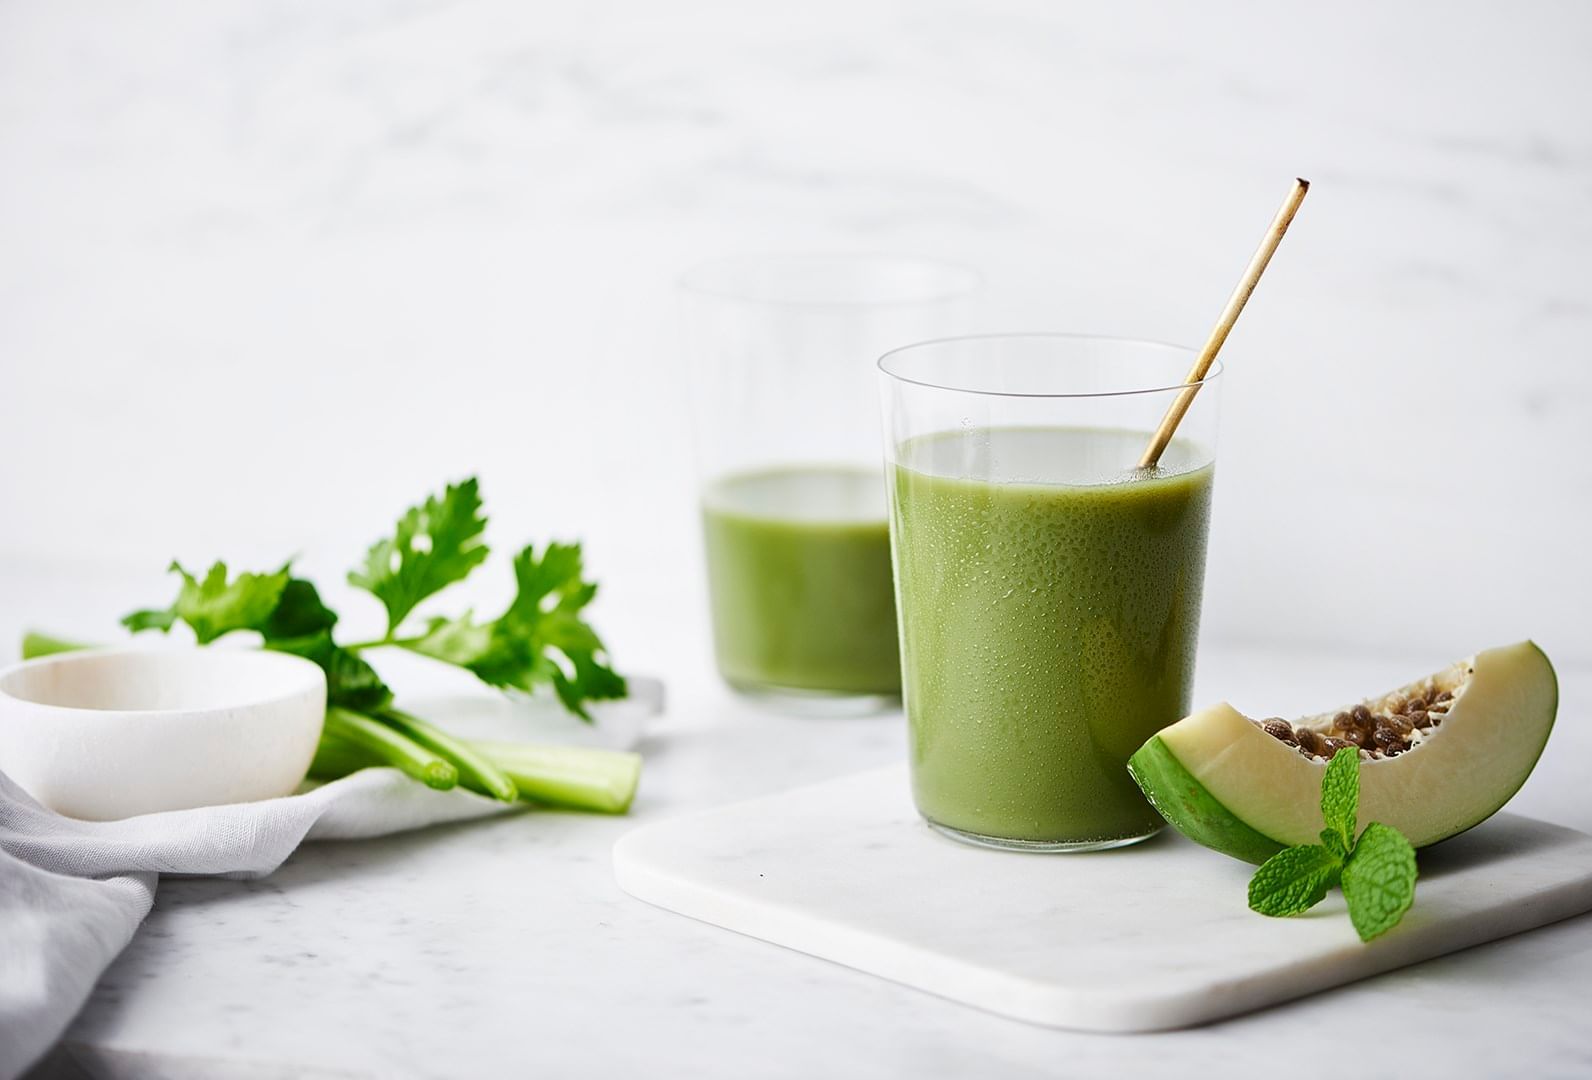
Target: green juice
{"points": [[799, 577], [1050, 605]]}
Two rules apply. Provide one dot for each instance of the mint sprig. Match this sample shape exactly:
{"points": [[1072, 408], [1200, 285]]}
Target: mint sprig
{"points": [[1377, 871]]}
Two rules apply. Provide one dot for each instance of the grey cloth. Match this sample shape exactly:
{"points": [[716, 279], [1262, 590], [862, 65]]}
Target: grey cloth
{"points": [[72, 893]]}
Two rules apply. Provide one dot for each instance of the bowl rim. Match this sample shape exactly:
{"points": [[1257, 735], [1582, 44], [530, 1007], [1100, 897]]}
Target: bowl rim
{"points": [[300, 676]]}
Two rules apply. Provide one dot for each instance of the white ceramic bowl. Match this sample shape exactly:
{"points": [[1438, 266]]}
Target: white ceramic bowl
{"points": [[113, 733]]}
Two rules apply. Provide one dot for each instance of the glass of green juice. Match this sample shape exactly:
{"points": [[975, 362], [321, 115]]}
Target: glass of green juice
{"points": [[782, 351], [1048, 585]]}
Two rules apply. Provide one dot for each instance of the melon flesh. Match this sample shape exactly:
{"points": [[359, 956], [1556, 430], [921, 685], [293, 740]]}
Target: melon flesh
{"points": [[1225, 782]]}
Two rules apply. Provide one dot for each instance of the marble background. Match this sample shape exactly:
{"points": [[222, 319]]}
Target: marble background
{"points": [[269, 270]]}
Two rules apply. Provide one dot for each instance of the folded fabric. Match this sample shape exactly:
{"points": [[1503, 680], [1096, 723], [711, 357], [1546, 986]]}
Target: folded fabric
{"points": [[73, 892]]}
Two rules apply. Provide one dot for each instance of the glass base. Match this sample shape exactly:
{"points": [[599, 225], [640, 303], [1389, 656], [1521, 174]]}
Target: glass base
{"points": [[1051, 847], [815, 703]]}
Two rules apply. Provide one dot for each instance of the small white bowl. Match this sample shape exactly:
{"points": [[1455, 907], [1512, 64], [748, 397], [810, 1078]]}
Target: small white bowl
{"points": [[110, 734]]}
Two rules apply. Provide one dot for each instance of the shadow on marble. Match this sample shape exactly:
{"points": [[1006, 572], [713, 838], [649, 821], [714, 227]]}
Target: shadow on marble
{"points": [[1505, 836]]}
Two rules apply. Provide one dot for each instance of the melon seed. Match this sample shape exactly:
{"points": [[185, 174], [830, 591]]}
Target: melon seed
{"points": [[1389, 741], [1332, 745], [1278, 728], [1384, 734], [1359, 720]]}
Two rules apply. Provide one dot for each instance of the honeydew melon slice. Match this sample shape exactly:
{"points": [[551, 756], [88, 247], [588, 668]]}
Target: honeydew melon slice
{"points": [[1224, 781]]}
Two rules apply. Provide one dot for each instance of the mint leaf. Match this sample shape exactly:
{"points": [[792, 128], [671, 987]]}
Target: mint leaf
{"points": [[541, 640], [434, 545], [1294, 880], [1379, 880], [215, 605], [1340, 796], [1377, 872], [1332, 840]]}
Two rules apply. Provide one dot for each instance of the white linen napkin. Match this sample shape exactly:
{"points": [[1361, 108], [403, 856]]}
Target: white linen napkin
{"points": [[73, 892]]}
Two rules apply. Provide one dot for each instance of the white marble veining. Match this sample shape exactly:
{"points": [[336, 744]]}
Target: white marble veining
{"points": [[1149, 938]]}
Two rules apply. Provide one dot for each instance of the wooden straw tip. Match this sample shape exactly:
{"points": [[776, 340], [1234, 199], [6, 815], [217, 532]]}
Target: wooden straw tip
{"points": [[1302, 182]]}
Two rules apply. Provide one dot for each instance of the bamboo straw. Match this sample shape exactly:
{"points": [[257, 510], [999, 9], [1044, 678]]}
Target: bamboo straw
{"points": [[1224, 325]]}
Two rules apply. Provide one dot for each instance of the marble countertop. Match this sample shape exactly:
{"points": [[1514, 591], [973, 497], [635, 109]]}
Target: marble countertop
{"points": [[506, 947]]}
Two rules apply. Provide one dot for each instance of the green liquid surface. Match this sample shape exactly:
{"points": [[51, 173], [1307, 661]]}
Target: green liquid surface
{"points": [[1050, 602], [799, 576]]}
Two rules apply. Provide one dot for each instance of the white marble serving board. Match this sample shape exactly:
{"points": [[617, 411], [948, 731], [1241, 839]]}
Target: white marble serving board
{"points": [[1144, 938]]}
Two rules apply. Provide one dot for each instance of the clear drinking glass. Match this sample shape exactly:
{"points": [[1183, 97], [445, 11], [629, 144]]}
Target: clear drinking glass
{"points": [[793, 502], [1049, 587]]}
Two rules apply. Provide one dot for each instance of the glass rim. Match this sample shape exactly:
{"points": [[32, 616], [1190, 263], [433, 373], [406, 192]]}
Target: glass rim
{"points": [[691, 280], [1054, 336]]}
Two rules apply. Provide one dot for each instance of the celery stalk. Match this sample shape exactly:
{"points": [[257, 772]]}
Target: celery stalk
{"points": [[352, 741], [573, 777], [37, 644], [476, 772]]}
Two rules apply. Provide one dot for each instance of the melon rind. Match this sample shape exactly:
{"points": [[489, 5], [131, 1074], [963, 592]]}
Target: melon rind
{"points": [[1225, 783], [1181, 799]]}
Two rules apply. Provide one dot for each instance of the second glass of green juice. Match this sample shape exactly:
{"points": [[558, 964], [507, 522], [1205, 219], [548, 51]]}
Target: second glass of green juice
{"points": [[793, 499], [1048, 582]]}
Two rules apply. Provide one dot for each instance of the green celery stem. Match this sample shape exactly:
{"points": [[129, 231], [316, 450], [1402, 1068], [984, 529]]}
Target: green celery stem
{"points": [[476, 771], [572, 777], [353, 740], [37, 644]]}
